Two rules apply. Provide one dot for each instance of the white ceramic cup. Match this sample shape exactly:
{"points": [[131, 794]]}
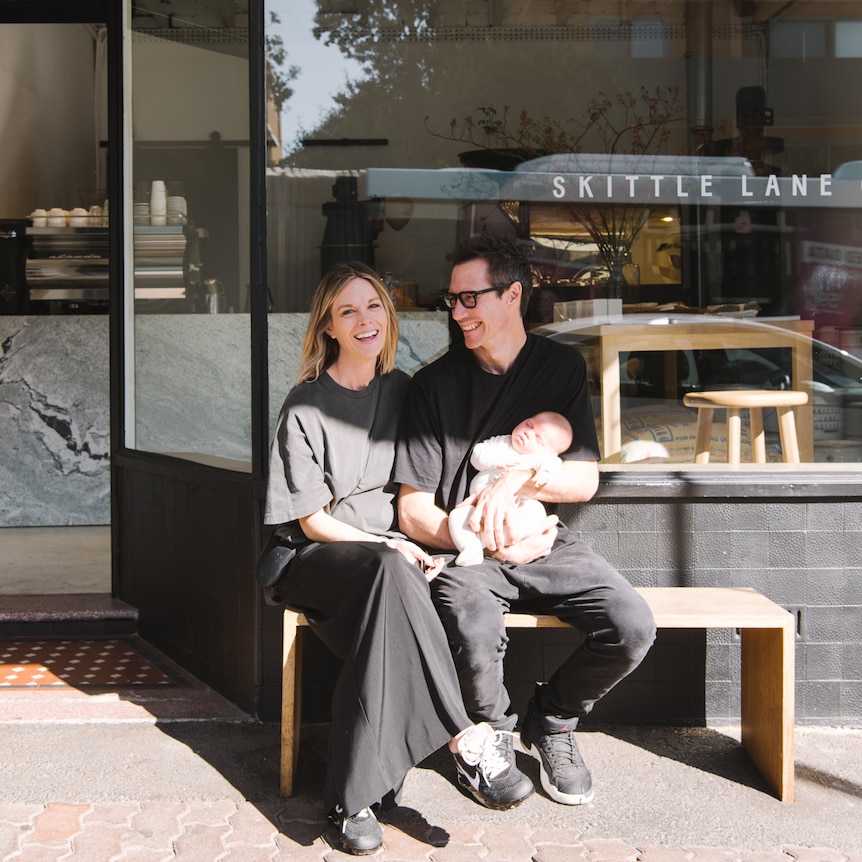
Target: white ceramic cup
{"points": [[158, 204]]}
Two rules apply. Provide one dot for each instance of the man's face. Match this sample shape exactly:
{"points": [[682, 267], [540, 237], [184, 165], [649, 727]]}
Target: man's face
{"points": [[494, 315]]}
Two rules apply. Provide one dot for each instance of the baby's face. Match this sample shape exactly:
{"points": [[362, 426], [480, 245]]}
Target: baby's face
{"points": [[539, 435]]}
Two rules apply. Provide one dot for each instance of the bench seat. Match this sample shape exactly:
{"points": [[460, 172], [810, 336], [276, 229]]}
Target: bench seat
{"points": [[768, 641]]}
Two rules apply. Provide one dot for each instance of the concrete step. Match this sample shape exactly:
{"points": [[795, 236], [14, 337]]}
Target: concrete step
{"points": [[65, 615]]}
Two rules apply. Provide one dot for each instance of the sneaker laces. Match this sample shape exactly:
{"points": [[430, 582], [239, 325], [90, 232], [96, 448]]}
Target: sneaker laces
{"points": [[496, 755], [562, 749], [473, 742]]}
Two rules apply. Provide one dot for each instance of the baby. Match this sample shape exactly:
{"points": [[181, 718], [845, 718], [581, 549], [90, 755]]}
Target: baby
{"points": [[533, 445]]}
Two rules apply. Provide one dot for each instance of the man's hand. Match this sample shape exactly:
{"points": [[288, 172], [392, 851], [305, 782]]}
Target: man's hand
{"points": [[494, 507], [533, 547]]}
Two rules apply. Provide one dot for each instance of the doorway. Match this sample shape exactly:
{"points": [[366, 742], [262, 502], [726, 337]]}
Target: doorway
{"points": [[55, 466]]}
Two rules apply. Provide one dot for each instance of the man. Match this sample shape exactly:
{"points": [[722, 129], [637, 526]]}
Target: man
{"points": [[496, 379]]}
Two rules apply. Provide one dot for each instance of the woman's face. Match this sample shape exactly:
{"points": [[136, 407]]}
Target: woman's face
{"points": [[359, 321]]}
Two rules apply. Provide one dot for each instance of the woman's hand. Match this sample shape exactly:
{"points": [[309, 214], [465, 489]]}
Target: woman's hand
{"points": [[417, 557]]}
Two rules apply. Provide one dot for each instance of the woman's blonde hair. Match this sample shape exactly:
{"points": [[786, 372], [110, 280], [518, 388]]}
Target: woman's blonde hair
{"points": [[319, 351]]}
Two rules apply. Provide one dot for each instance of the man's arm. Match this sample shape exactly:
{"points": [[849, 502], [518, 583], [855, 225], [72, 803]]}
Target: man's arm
{"points": [[494, 506], [575, 482], [420, 518]]}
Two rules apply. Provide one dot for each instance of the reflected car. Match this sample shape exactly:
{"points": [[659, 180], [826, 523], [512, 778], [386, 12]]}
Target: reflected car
{"points": [[658, 427]]}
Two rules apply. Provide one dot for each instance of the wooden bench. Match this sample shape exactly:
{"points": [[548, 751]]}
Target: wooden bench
{"points": [[768, 640]]}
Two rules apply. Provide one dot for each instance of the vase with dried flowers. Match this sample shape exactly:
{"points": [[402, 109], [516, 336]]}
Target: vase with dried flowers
{"points": [[629, 125]]}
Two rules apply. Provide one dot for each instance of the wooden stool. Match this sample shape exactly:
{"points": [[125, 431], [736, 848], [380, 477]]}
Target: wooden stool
{"points": [[754, 400]]}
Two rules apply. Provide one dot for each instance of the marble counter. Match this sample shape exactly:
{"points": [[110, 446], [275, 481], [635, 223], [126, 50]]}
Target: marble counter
{"points": [[192, 391], [54, 421]]}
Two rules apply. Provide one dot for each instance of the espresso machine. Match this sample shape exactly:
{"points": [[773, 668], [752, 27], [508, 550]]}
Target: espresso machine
{"points": [[67, 269]]}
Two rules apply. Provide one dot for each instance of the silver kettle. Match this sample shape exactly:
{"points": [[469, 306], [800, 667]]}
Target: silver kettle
{"points": [[213, 296]]}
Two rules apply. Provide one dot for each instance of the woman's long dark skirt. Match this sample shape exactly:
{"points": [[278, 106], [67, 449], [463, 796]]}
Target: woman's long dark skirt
{"points": [[397, 699]]}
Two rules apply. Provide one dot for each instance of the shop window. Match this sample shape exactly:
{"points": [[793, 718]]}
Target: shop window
{"points": [[848, 38], [690, 228]]}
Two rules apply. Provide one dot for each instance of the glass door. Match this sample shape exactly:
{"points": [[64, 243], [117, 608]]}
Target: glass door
{"points": [[188, 389]]}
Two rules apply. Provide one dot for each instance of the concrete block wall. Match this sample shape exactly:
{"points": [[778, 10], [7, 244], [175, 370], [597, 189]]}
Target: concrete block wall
{"points": [[804, 555]]}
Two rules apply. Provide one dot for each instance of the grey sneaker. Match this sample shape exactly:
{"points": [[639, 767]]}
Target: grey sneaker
{"points": [[360, 833], [565, 776], [489, 773]]}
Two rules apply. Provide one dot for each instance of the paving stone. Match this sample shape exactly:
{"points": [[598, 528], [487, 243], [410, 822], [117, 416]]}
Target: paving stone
{"points": [[461, 853], [36, 853], [252, 853], [404, 847], [143, 854], [506, 844], [57, 824], [665, 854], [199, 842], [813, 854], [250, 826], [559, 853], [714, 854], [98, 844], [777, 856], [563, 837], [464, 845], [156, 826], [112, 813], [290, 851], [19, 813], [217, 812], [10, 837], [610, 850]]}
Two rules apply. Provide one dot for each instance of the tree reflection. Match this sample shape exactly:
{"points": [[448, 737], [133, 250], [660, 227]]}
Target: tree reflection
{"points": [[374, 36]]}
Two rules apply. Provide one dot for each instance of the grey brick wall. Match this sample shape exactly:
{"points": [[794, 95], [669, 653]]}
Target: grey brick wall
{"points": [[804, 555]]}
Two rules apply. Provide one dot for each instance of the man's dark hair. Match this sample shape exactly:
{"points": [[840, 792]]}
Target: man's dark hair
{"points": [[505, 258]]}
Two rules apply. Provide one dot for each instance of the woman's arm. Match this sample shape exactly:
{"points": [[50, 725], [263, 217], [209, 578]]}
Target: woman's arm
{"points": [[320, 526]]}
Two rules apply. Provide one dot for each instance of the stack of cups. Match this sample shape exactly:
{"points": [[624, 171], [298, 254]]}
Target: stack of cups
{"points": [[158, 204], [141, 205], [177, 207]]}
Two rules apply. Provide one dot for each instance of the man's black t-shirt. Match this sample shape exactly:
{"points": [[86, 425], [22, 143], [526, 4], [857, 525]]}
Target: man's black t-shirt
{"points": [[453, 403]]}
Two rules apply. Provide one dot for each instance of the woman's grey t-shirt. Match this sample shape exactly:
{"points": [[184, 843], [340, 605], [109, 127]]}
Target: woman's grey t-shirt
{"points": [[334, 449]]}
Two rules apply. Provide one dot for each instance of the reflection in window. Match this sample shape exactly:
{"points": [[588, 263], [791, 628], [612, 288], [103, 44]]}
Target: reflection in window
{"points": [[798, 40], [408, 144], [848, 38]]}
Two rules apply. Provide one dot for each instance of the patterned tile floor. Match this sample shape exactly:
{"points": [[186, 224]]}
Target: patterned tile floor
{"points": [[92, 664]]}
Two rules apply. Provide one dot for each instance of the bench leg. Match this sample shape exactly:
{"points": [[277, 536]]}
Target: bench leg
{"points": [[768, 704], [291, 697]]}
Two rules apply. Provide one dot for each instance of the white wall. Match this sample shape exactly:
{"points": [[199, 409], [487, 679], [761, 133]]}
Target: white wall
{"points": [[48, 146], [184, 92]]}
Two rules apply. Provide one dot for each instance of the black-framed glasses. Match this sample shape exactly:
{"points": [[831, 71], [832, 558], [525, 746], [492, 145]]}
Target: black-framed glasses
{"points": [[468, 298]]}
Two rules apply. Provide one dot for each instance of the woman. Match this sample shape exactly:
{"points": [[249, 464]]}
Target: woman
{"points": [[362, 585]]}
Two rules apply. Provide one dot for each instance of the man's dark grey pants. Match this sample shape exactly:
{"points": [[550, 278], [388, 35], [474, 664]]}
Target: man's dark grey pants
{"points": [[572, 583]]}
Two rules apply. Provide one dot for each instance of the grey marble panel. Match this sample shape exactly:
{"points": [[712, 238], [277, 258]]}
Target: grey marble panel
{"points": [[54, 421], [193, 384]]}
